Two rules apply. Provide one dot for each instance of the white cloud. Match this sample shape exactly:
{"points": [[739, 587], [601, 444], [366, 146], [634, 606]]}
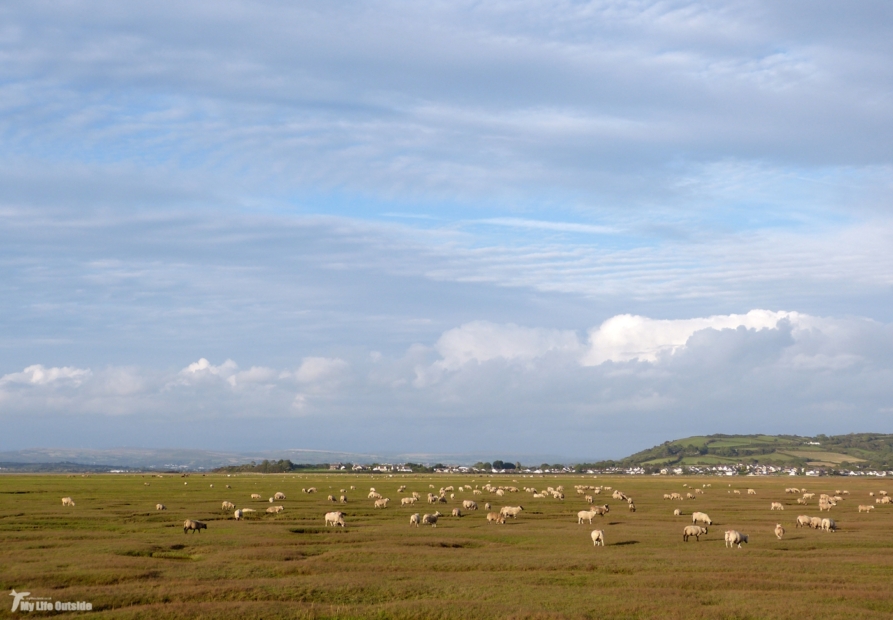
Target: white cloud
{"points": [[480, 341], [39, 375], [315, 369], [204, 368], [627, 337]]}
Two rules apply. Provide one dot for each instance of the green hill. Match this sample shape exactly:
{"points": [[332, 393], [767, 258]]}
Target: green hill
{"points": [[858, 451]]}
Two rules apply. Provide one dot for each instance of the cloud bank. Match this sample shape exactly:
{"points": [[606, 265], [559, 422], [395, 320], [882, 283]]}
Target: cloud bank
{"points": [[780, 371]]}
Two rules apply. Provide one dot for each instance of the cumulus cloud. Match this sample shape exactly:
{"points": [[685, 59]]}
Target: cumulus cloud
{"points": [[627, 337], [314, 369], [760, 371], [39, 375], [480, 341]]}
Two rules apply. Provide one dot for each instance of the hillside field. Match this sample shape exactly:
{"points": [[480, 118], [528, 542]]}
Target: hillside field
{"points": [[116, 551]]}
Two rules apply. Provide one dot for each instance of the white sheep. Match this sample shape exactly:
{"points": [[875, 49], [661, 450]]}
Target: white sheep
{"points": [[677, 513], [511, 511], [431, 519], [803, 521], [160, 507], [828, 525], [255, 496], [776, 506], [189, 525], [469, 504], [863, 508], [408, 501], [598, 538], [275, 509], [67, 501], [382, 503], [335, 518], [586, 515], [701, 517], [779, 531], [495, 517], [414, 519], [734, 537], [457, 512], [227, 505], [693, 530]]}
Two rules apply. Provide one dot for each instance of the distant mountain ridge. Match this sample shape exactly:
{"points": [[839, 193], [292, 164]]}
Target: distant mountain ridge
{"points": [[858, 451]]}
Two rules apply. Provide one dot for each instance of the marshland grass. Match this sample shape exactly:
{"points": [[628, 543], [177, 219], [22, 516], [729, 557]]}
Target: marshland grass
{"points": [[114, 550]]}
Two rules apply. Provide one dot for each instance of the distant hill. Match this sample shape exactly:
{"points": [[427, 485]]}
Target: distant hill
{"points": [[856, 451]]}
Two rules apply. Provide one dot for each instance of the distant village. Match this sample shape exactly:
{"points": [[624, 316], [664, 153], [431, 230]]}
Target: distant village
{"points": [[739, 469]]}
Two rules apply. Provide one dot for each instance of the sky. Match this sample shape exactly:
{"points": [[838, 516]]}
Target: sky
{"points": [[518, 228]]}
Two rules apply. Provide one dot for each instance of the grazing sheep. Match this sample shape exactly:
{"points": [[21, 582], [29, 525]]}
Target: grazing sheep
{"points": [[310, 490], [511, 511], [779, 531], [342, 499], [375, 495], [815, 522], [495, 517], [801, 501], [382, 503], [776, 506], [598, 538], [408, 501], [414, 519], [227, 505], [469, 504], [160, 507], [67, 501], [275, 509], [751, 492], [330, 498], [585, 514], [193, 526], [803, 521], [632, 507], [828, 525], [677, 513], [270, 500], [618, 495], [865, 508], [809, 496], [487, 506], [335, 518], [736, 492], [689, 495], [255, 496], [457, 512], [588, 498], [238, 515], [693, 530], [825, 505], [700, 517], [431, 519], [734, 537]]}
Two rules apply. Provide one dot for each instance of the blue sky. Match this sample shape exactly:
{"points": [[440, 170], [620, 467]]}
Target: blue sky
{"points": [[573, 228]]}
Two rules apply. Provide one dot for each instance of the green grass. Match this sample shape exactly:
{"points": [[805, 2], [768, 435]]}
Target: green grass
{"points": [[114, 550]]}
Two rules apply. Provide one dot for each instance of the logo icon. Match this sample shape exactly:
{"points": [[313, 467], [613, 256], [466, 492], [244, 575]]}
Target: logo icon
{"points": [[17, 598]]}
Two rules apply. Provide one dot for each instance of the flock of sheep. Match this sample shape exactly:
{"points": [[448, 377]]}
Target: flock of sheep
{"points": [[699, 527]]}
